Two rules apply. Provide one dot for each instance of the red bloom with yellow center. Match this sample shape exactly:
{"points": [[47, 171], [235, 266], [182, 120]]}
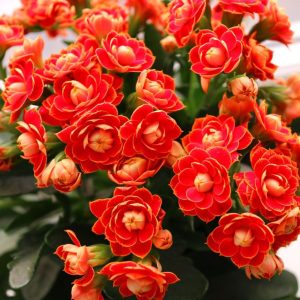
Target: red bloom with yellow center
{"points": [[184, 14], [123, 54], [94, 141], [216, 51], [243, 6], [99, 22], [21, 85], [80, 91], [158, 89], [75, 56], [244, 238], [202, 183], [134, 170], [149, 133], [129, 220], [212, 131], [143, 281], [32, 140], [270, 189]]}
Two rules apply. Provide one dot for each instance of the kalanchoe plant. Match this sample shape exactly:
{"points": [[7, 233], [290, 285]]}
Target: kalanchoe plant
{"points": [[150, 137]]}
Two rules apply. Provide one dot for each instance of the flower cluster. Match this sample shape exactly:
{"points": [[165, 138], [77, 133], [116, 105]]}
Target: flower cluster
{"points": [[115, 104]]}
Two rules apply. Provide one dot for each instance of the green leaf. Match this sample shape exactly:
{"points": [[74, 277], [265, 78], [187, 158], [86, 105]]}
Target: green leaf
{"points": [[38, 211], [43, 279], [192, 285], [24, 264], [195, 98], [235, 286], [9, 241], [152, 41], [16, 185]]}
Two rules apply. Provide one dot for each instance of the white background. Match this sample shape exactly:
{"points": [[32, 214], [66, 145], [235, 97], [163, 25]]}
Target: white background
{"points": [[287, 58]]}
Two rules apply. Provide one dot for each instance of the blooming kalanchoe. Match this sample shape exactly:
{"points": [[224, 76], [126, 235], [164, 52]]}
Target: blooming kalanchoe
{"points": [[32, 140], [202, 183], [134, 170], [270, 188], [149, 132], [243, 6], [216, 51], [221, 131], [183, 16], [158, 89], [123, 54], [129, 220], [144, 281], [93, 141], [244, 238]]}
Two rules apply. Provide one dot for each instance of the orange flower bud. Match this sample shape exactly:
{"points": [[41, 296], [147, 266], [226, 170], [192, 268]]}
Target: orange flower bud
{"points": [[163, 240], [271, 265], [243, 86], [177, 151], [63, 175], [169, 44]]}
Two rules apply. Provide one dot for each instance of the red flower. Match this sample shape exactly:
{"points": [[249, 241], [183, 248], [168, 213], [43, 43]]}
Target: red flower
{"points": [[75, 56], [258, 59], [271, 187], [149, 133], [10, 35], [62, 174], [243, 6], [275, 24], [129, 220], [216, 51], [21, 85], [202, 184], [49, 15], [270, 126], [184, 14], [134, 170], [212, 131], [94, 141], [123, 54], [88, 291], [286, 229], [78, 259], [271, 265], [32, 140], [80, 91], [244, 238], [158, 89], [99, 22], [145, 282]]}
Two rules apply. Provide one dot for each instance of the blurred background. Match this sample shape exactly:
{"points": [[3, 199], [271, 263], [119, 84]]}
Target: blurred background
{"points": [[288, 60]]}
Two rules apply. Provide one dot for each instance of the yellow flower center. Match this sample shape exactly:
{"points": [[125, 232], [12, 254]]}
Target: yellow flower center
{"points": [[125, 55], [133, 220], [101, 140], [243, 237], [215, 57], [203, 182]]}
